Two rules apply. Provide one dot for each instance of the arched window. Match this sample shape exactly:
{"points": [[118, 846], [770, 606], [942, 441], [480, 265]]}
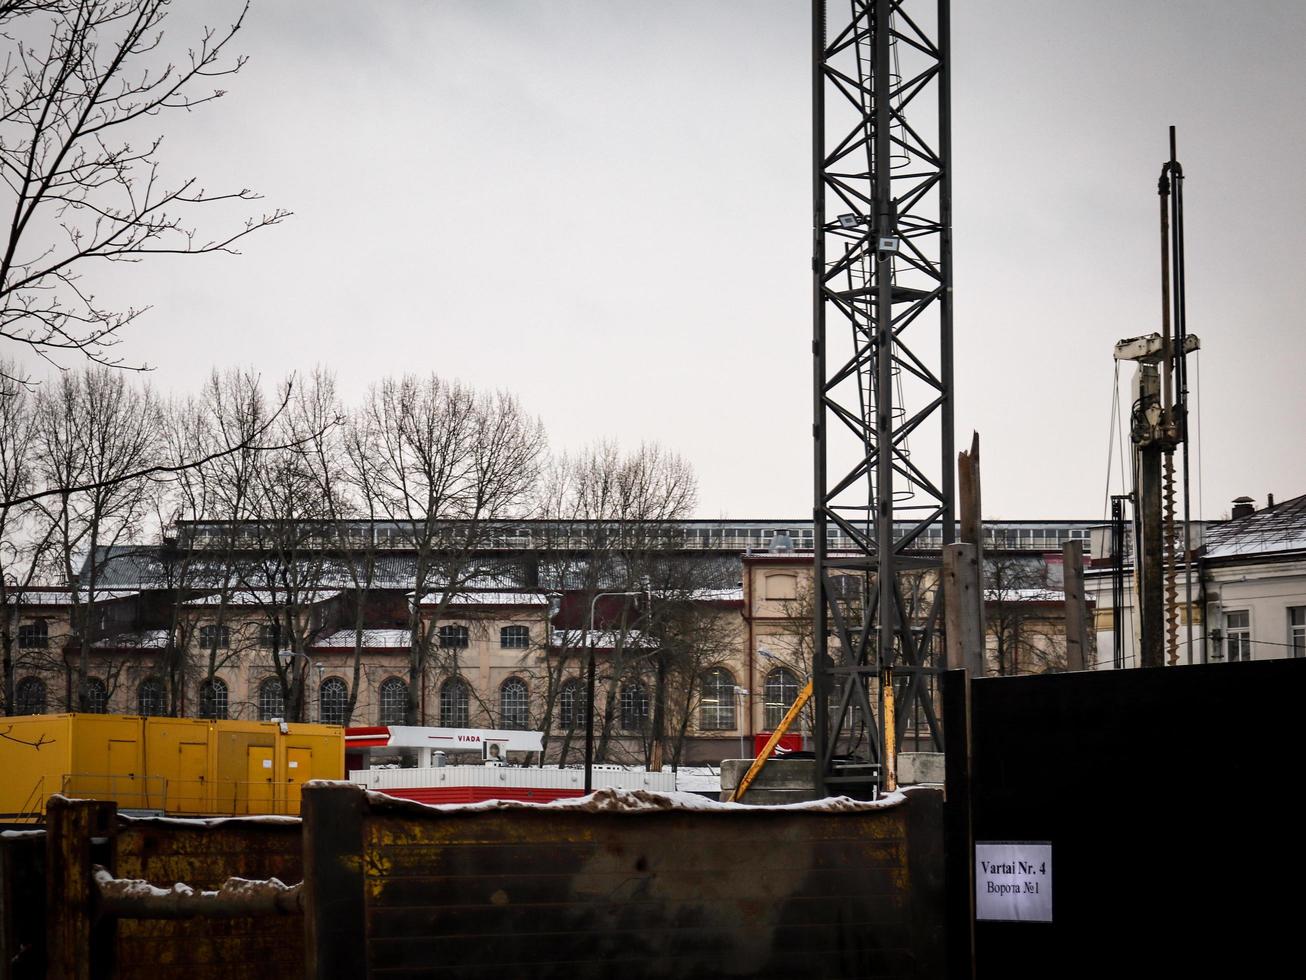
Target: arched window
{"points": [[151, 698], [271, 699], [571, 705], [782, 586], [781, 693], [453, 635], [333, 698], [394, 701], [213, 698], [717, 701], [29, 697], [634, 707], [514, 703], [97, 696], [453, 703]]}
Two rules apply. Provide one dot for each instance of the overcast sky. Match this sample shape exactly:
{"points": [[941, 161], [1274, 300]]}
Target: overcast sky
{"points": [[603, 206]]}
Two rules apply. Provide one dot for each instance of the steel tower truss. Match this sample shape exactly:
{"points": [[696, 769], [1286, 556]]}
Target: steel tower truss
{"points": [[882, 349]]}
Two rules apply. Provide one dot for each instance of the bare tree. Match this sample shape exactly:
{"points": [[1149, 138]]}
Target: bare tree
{"points": [[94, 430], [286, 568], [212, 443], [1024, 614], [83, 82], [610, 526], [450, 465], [24, 543]]}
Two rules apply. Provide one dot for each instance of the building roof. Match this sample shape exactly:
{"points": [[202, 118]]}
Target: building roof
{"points": [[600, 639], [137, 640], [515, 598], [1274, 530], [378, 639], [62, 597], [265, 597]]}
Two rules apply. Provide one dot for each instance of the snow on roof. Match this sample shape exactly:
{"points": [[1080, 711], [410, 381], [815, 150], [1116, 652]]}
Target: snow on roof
{"points": [[703, 595], [142, 639], [1024, 595], [1274, 530], [600, 639], [265, 597], [514, 598], [56, 597], [373, 639]]}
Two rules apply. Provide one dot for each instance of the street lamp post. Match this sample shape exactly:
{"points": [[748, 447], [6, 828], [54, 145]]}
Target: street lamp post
{"points": [[741, 696], [589, 684]]}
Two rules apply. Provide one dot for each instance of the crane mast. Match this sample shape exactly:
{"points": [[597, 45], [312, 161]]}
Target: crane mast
{"points": [[882, 366]]}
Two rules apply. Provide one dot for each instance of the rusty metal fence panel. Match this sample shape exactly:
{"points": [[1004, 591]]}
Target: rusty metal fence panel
{"points": [[86, 942], [400, 890]]}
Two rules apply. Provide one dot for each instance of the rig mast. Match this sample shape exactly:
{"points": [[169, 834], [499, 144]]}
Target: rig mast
{"points": [[882, 365]]}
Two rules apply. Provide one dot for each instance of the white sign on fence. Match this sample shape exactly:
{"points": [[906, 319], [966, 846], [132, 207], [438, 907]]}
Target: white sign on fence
{"points": [[1013, 881]]}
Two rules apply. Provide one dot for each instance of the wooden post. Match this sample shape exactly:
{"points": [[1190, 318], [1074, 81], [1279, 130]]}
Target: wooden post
{"points": [[962, 610], [968, 494], [78, 832], [335, 933], [1076, 612], [971, 514]]}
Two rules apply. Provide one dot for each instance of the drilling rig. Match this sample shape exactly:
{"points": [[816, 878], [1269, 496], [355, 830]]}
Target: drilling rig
{"points": [[1158, 427]]}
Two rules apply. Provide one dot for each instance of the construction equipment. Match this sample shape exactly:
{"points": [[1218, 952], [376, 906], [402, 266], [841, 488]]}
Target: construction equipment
{"points": [[882, 274], [756, 768], [1158, 426]]}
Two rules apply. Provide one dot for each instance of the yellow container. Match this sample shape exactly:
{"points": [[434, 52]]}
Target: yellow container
{"points": [[178, 766]]}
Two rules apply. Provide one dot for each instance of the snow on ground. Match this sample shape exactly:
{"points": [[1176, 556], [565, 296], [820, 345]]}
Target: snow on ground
{"points": [[634, 801]]}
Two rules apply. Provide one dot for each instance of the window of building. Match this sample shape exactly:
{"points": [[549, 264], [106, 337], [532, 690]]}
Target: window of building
{"points": [[1238, 635], [1297, 630], [781, 692], [394, 701], [271, 699], [151, 698], [213, 698], [211, 634], [571, 705], [515, 637], [30, 697], [269, 635], [514, 703], [453, 635], [34, 636], [333, 699], [717, 701], [453, 702], [782, 586], [96, 695], [634, 708]]}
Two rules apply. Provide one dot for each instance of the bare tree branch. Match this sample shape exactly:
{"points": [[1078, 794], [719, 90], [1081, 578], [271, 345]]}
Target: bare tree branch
{"points": [[80, 187]]}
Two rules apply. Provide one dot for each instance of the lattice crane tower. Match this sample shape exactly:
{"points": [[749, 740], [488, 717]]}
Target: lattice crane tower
{"points": [[882, 353]]}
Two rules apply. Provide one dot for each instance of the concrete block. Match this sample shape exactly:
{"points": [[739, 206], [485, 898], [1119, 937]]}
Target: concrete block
{"points": [[921, 768], [781, 780]]}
